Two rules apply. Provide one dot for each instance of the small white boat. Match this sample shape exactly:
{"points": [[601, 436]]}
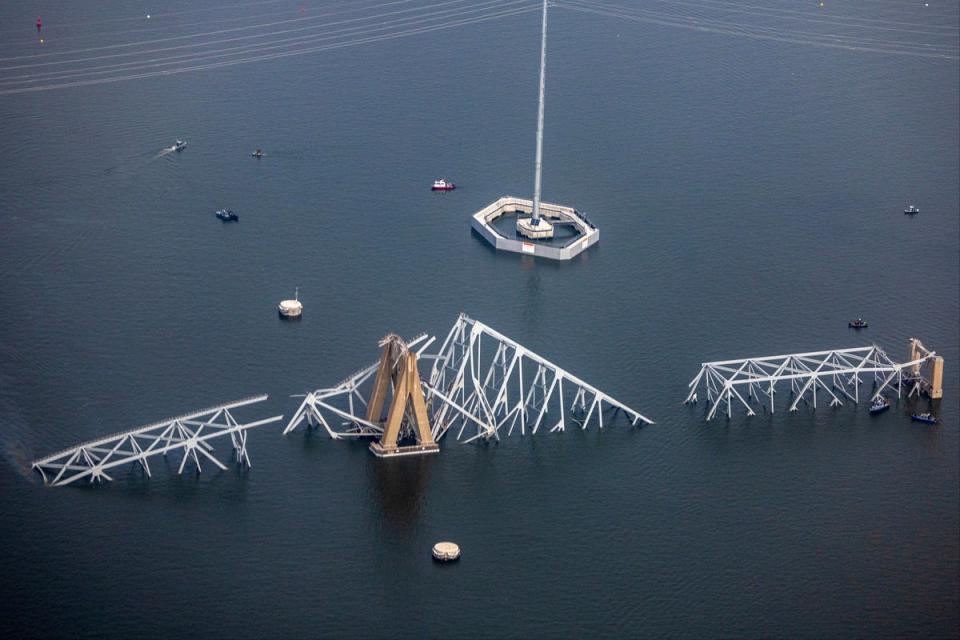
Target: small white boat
{"points": [[179, 145], [291, 308], [911, 210], [442, 185]]}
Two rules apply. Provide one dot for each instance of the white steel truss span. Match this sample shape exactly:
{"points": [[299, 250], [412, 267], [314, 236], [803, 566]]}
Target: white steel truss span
{"points": [[188, 434], [468, 387], [318, 408], [480, 381], [837, 373]]}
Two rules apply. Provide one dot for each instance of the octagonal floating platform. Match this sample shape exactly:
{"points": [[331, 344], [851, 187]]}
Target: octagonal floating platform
{"points": [[586, 234]]}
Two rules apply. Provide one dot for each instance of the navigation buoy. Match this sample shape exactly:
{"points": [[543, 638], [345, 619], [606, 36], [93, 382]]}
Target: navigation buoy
{"points": [[446, 551]]}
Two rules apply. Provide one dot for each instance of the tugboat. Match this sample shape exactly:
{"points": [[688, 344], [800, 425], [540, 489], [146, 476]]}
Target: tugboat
{"points": [[179, 145], [258, 153], [859, 323], [227, 215], [911, 210], [926, 418], [442, 185], [879, 405]]}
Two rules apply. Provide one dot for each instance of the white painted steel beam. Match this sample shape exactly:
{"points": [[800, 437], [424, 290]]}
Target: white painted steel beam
{"points": [[833, 372], [476, 384], [189, 434]]}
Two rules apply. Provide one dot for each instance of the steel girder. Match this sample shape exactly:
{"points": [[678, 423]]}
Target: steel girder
{"points": [[189, 434], [837, 372]]}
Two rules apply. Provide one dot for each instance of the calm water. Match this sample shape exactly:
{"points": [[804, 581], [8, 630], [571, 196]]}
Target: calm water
{"points": [[748, 193]]}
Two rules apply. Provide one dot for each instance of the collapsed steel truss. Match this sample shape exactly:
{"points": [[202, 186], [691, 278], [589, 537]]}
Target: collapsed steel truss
{"points": [[835, 372], [189, 434], [317, 402], [469, 388], [477, 380]]}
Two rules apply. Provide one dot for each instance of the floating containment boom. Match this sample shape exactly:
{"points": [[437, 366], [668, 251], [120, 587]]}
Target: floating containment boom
{"points": [[837, 373], [190, 435], [481, 383]]}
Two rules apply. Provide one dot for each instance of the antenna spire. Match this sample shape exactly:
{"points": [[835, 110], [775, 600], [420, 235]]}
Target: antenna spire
{"points": [[538, 168]]}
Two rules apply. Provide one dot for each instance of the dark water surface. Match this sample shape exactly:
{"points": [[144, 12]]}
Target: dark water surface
{"points": [[749, 196]]}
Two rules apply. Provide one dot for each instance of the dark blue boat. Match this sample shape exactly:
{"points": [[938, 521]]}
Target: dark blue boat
{"points": [[879, 405], [926, 418]]}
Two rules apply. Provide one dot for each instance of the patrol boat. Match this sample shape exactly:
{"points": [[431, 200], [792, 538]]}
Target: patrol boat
{"points": [[879, 405]]}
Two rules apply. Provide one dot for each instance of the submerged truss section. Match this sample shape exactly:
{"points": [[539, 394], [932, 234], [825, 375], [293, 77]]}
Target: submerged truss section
{"points": [[512, 389], [319, 408], [481, 383], [837, 373], [189, 435]]}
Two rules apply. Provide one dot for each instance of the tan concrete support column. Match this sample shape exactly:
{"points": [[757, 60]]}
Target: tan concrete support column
{"points": [[936, 378], [399, 365], [914, 355]]}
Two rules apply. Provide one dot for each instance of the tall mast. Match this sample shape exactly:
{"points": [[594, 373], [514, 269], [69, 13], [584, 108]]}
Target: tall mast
{"points": [[538, 168]]}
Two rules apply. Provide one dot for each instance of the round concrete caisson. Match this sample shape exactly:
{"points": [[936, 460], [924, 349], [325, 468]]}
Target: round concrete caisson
{"points": [[446, 551]]}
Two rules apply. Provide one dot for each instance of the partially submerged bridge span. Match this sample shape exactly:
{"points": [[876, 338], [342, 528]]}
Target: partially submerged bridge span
{"points": [[480, 382], [838, 373], [470, 387], [190, 435]]}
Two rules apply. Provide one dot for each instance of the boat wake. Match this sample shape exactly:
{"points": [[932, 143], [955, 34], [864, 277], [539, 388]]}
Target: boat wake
{"points": [[15, 450], [165, 151]]}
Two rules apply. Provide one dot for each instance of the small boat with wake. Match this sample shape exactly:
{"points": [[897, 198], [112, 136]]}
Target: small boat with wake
{"points": [[227, 215], [179, 145], [859, 323], [925, 418], [879, 405], [911, 210], [442, 185]]}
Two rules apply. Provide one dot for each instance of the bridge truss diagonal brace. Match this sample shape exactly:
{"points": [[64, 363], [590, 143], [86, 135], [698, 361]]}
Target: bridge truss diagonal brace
{"points": [[514, 388], [342, 410], [190, 435], [480, 382], [836, 373]]}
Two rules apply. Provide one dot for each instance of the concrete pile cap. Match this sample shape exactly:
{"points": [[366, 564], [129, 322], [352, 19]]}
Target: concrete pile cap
{"points": [[446, 551]]}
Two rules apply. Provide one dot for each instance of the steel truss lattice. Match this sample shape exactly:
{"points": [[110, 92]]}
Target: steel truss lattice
{"points": [[481, 382], [188, 434], [837, 373]]}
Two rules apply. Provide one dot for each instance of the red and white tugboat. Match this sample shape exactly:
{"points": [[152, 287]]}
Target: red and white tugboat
{"points": [[442, 185]]}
